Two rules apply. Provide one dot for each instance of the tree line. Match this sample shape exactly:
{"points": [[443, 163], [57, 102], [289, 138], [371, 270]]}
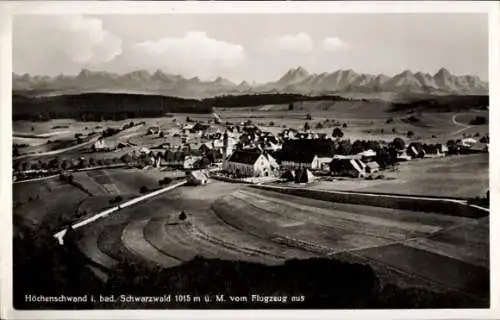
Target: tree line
{"points": [[102, 106]]}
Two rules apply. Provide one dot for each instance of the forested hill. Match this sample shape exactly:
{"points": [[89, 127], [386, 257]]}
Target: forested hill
{"points": [[101, 106], [119, 106], [249, 100], [452, 103]]}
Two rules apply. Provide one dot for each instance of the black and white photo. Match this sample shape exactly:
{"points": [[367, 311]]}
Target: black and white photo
{"points": [[250, 160]]}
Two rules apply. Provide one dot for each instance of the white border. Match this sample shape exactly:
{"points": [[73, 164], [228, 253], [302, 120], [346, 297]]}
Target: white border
{"points": [[8, 9]]}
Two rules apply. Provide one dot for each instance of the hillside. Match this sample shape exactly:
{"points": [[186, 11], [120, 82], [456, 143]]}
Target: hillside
{"points": [[118, 106], [444, 104], [296, 81], [101, 106]]}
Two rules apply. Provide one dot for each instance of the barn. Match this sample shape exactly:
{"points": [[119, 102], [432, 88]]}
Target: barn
{"points": [[248, 164]]}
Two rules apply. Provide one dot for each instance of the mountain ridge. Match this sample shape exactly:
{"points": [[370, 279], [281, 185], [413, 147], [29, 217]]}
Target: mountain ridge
{"points": [[296, 80]]}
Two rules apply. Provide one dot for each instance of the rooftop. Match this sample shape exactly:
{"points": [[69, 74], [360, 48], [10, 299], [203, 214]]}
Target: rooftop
{"points": [[246, 157]]}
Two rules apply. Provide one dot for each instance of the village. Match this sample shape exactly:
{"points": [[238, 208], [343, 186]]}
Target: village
{"points": [[244, 152]]}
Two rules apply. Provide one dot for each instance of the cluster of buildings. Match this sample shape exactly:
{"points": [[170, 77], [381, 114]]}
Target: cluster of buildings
{"points": [[247, 151]]}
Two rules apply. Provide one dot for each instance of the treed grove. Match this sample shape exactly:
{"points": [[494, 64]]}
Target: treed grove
{"points": [[102, 106], [114, 106], [453, 103], [248, 100]]}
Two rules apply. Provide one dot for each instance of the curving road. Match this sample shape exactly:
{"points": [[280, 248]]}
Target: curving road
{"points": [[464, 126], [125, 134], [58, 151]]}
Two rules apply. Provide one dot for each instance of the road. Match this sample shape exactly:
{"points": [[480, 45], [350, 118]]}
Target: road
{"points": [[125, 134], [58, 151], [465, 127]]}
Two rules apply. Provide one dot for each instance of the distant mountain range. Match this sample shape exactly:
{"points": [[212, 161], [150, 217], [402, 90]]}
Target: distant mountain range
{"points": [[296, 80]]}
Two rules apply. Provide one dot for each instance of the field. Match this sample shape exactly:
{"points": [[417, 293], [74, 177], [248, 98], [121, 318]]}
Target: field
{"points": [[239, 223], [364, 120], [45, 201], [135, 138], [464, 176]]}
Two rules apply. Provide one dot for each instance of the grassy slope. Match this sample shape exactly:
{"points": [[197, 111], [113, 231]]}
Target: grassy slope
{"points": [[464, 176]]}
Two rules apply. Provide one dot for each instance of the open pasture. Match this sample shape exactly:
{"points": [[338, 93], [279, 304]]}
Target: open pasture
{"points": [[125, 182], [464, 176], [363, 119]]}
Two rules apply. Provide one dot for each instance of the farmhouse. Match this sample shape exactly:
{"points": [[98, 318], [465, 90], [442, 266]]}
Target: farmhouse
{"points": [[434, 152], [479, 147], [248, 164], [314, 154], [101, 145], [299, 160], [210, 146], [199, 127], [189, 161], [367, 155], [155, 160], [197, 177], [288, 175], [372, 167], [403, 156], [154, 130], [288, 134], [468, 142], [303, 175], [350, 166], [415, 151]]}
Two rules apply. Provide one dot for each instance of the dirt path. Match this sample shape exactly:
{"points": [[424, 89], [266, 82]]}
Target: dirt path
{"points": [[464, 126], [58, 151]]}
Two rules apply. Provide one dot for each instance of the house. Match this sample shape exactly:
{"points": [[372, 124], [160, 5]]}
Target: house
{"points": [[303, 175], [197, 177], [122, 145], [314, 154], [479, 147], [218, 119], [434, 153], [322, 163], [154, 130], [350, 166], [206, 147], [101, 145], [288, 175], [403, 156], [199, 127], [415, 151], [272, 161], [299, 160], [367, 155], [468, 142], [372, 167], [190, 161], [288, 134], [248, 164], [155, 160]]}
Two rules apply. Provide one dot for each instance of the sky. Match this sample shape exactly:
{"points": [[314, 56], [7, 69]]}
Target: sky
{"points": [[251, 47]]}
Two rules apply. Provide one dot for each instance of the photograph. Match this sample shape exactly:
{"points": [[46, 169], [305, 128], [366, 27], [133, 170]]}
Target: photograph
{"points": [[250, 160]]}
